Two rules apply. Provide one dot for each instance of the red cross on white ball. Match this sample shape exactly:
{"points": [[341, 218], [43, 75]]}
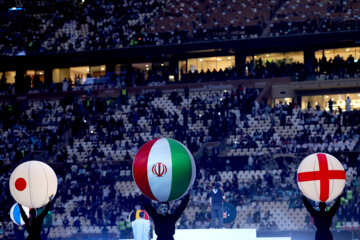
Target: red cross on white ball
{"points": [[321, 177]]}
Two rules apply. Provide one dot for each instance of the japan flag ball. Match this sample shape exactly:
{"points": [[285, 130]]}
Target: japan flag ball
{"points": [[32, 183]]}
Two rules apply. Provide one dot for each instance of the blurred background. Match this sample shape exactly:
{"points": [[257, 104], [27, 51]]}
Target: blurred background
{"points": [[250, 87]]}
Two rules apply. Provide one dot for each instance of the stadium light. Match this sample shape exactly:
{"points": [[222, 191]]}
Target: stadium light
{"points": [[15, 9]]}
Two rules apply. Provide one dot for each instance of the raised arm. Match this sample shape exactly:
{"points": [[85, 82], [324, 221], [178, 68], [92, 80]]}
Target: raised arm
{"points": [[44, 212], [148, 206], [47, 231], [182, 206], [308, 206], [335, 207], [23, 215]]}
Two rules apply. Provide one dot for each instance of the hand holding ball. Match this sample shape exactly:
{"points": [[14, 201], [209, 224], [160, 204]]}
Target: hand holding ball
{"points": [[33, 184]]}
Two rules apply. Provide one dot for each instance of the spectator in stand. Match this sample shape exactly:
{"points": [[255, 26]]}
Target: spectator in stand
{"points": [[348, 104]]}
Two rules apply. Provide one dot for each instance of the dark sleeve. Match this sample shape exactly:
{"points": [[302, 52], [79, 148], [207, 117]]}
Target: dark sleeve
{"points": [[148, 207], [308, 206], [44, 212], [181, 207], [335, 207], [23, 215]]}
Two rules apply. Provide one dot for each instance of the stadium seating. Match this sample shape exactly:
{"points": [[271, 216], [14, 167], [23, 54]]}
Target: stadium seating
{"points": [[65, 26], [279, 207]]}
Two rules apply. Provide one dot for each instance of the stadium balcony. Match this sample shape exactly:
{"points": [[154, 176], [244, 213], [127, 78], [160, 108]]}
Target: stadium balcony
{"points": [[63, 26]]}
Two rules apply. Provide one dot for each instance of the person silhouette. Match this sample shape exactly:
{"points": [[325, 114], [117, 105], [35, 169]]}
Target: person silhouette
{"points": [[216, 201], [164, 221], [33, 223], [322, 218]]}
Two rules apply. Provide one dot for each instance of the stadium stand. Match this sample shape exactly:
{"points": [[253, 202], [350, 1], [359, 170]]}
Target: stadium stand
{"points": [[96, 192], [66, 26], [235, 137], [301, 17]]}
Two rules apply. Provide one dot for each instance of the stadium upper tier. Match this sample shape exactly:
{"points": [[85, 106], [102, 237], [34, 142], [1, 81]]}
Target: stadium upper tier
{"points": [[87, 25]]}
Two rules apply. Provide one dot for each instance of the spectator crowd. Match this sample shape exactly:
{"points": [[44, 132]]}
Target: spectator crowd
{"points": [[73, 26], [87, 192]]}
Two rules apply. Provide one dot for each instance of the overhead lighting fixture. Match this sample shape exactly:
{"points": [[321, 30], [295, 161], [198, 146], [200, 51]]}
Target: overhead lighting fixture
{"points": [[201, 60], [146, 65], [229, 58], [15, 8], [219, 59], [162, 64], [102, 69]]}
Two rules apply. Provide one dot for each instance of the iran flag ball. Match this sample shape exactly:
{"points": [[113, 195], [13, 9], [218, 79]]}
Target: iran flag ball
{"points": [[321, 177], [164, 169]]}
